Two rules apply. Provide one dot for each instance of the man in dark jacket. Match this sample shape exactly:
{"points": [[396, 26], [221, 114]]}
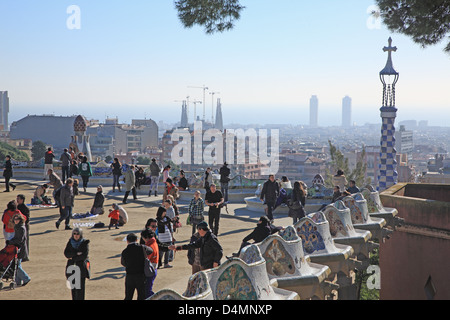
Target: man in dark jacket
{"points": [[133, 259], [66, 198], [269, 195], [66, 160], [224, 179], [263, 229], [211, 251], [48, 161]]}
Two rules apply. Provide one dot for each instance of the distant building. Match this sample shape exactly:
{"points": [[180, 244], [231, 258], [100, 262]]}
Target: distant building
{"points": [[347, 111], [4, 110], [53, 130], [219, 118], [314, 111], [404, 141]]}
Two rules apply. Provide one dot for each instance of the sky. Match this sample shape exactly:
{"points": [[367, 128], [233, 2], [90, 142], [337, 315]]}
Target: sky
{"points": [[135, 60]]}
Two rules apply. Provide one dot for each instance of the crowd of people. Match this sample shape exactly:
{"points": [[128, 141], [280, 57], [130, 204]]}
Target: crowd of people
{"points": [[142, 258]]}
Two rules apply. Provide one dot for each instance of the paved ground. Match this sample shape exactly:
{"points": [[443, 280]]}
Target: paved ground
{"points": [[47, 262]]}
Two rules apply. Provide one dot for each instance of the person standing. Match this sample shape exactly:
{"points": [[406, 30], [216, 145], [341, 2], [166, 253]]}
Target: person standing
{"points": [[155, 171], [130, 184], [214, 199], [20, 241], [208, 179], [133, 259], [78, 264], [67, 203], [8, 173], [85, 171], [269, 195], [195, 210], [164, 235], [224, 180], [117, 172], [22, 207], [211, 251], [65, 159], [166, 173], [48, 161], [297, 202], [149, 238]]}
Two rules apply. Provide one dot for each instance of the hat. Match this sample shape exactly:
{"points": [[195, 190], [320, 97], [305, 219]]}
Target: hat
{"points": [[202, 225]]}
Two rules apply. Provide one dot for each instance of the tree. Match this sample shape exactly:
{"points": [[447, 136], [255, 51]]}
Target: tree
{"points": [[339, 161], [16, 154], [427, 22], [213, 15], [38, 150]]}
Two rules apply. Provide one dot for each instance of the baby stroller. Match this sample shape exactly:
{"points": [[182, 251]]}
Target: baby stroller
{"points": [[8, 265]]}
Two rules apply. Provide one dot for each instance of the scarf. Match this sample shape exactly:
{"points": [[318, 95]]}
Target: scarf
{"points": [[76, 244]]}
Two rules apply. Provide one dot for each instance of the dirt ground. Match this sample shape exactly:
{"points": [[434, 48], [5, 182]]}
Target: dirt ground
{"points": [[47, 262]]}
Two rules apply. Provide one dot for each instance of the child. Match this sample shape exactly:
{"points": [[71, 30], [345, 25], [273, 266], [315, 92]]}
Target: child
{"points": [[114, 215]]}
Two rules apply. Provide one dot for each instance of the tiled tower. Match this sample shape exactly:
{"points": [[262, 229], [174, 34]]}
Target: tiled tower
{"points": [[388, 175]]}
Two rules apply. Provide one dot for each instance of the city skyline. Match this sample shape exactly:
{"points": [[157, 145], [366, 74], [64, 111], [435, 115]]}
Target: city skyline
{"points": [[137, 58]]}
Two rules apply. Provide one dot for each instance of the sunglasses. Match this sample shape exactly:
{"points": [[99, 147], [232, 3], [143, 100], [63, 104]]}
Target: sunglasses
{"points": [[75, 234]]}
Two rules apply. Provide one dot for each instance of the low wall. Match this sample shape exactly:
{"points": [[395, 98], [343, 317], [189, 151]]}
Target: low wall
{"points": [[415, 263]]}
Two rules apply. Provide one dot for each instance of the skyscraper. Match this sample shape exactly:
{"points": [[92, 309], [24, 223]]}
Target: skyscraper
{"points": [[4, 110], [314, 111], [184, 116], [219, 119], [347, 111]]}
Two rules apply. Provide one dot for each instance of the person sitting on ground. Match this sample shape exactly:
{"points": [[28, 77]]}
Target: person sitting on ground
{"points": [[97, 207], [352, 188], [39, 196]]}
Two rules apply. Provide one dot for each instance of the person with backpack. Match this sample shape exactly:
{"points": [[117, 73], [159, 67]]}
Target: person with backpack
{"points": [[85, 171]]}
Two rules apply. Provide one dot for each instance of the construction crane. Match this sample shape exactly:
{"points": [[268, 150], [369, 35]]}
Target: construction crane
{"points": [[204, 103]]}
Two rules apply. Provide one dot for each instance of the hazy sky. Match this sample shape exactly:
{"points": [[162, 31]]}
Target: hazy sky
{"points": [[133, 59]]}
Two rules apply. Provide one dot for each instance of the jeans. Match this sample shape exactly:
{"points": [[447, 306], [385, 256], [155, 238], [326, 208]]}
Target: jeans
{"points": [[213, 220], [65, 173], [149, 285], [116, 178], [166, 255], [270, 205], [224, 189], [66, 214], [154, 184], [85, 181], [21, 275]]}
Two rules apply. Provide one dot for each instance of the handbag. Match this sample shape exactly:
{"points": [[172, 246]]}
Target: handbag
{"points": [[149, 269]]}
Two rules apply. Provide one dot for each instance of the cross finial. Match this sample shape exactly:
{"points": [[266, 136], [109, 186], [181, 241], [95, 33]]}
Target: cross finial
{"points": [[389, 68], [390, 48]]}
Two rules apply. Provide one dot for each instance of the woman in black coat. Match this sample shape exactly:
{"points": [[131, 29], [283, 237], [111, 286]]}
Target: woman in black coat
{"points": [[297, 202], [8, 173], [78, 265]]}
